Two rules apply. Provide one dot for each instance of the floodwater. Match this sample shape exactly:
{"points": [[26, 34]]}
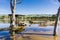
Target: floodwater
{"points": [[33, 32]]}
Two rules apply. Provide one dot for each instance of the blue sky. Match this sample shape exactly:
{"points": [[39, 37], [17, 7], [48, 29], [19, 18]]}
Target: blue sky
{"points": [[31, 7]]}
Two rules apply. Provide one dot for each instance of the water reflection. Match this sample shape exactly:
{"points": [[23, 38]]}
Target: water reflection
{"points": [[33, 37], [4, 21], [34, 28], [5, 36]]}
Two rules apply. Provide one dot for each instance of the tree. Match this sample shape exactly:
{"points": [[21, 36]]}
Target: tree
{"points": [[13, 5], [59, 0], [12, 24], [55, 26]]}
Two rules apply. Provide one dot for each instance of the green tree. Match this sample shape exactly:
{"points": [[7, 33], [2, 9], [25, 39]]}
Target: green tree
{"points": [[53, 17]]}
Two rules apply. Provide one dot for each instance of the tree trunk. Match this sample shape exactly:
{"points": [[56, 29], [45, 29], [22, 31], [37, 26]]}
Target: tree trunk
{"points": [[55, 26], [12, 24]]}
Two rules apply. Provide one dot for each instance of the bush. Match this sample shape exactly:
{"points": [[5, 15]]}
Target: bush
{"points": [[19, 30]]}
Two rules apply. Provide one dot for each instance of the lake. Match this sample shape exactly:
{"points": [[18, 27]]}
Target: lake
{"points": [[34, 28]]}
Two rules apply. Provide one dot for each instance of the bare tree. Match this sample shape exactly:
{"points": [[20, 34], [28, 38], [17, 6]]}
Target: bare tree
{"points": [[12, 24], [13, 6], [55, 26]]}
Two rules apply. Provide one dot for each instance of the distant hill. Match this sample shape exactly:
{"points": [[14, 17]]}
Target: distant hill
{"points": [[40, 15]]}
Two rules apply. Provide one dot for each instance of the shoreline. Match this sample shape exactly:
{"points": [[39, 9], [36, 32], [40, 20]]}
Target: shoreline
{"points": [[32, 37]]}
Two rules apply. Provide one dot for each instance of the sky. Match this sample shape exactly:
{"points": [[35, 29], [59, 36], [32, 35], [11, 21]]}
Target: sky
{"points": [[31, 7]]}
